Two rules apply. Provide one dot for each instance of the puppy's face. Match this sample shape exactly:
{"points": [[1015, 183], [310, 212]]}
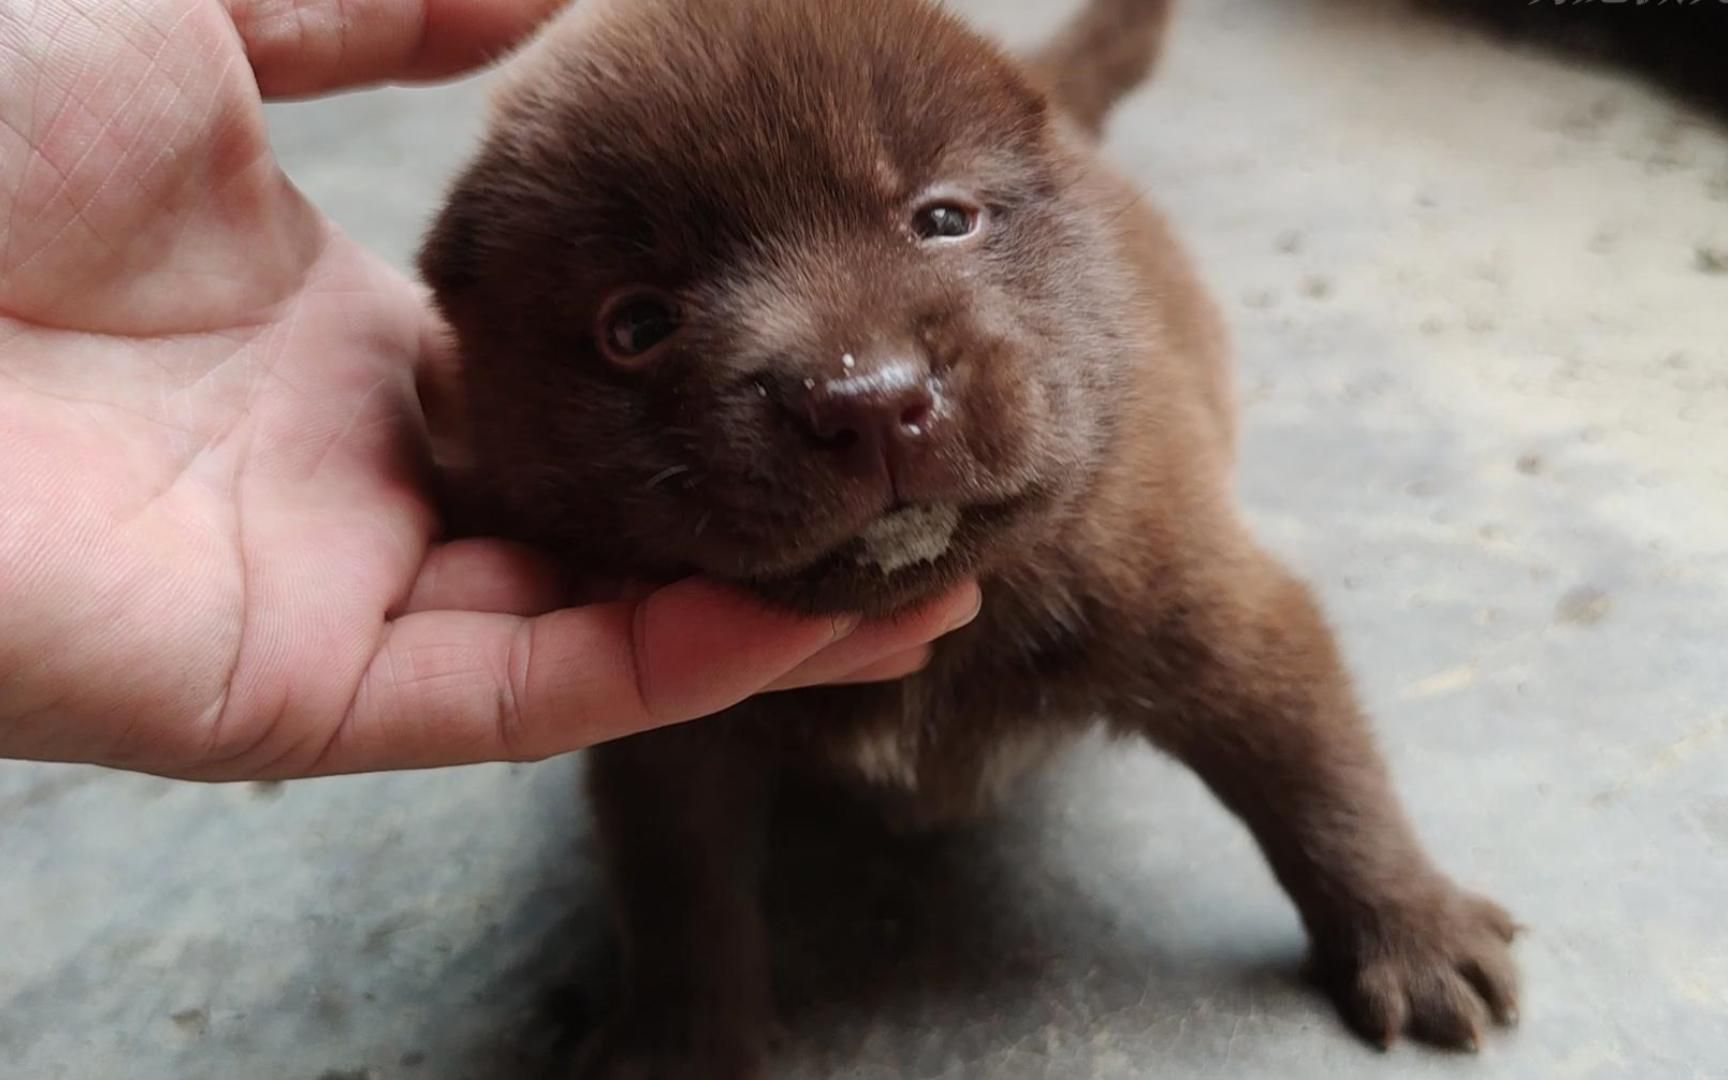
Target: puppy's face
{"points": [[803, 295]]}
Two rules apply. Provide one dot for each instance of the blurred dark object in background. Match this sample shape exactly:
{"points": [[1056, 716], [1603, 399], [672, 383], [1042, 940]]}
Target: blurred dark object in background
{"points": [[1680, 44]]}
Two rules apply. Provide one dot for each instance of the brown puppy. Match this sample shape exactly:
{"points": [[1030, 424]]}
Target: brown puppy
{"points": [[837, 301]]}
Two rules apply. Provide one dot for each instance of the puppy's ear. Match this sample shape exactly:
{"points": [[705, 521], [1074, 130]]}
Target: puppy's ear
{"points": [[1106, 51]]}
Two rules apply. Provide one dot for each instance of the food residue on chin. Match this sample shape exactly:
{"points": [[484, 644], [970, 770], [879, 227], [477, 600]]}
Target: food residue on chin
{"points": [[917, 534]]}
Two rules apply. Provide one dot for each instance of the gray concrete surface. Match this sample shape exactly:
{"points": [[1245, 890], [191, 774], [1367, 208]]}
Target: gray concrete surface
{"points": [[1485, 375]]}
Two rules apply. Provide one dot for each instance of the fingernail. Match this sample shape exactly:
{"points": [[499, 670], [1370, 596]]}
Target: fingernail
{"points": [[971, 614], [846, 625]]}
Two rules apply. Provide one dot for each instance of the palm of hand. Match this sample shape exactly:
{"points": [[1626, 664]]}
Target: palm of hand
{"points": [[216, 553], [208, 394]]}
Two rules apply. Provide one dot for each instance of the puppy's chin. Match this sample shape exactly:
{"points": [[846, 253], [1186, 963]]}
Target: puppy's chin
{"points": [[896, 562]]}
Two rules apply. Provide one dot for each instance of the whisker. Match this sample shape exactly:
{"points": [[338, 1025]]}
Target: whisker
{"points": [[664, 475]]}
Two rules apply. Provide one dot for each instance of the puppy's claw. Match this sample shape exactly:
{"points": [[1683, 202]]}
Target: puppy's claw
{"points": [[1439, 971]]}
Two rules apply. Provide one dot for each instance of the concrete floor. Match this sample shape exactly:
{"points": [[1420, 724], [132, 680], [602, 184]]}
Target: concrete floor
{"points": [[1484, 335]]}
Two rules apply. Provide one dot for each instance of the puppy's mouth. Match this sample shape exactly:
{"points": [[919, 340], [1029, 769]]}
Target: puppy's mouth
{"points": [[898, 558], [900, 538], [907, 536]]}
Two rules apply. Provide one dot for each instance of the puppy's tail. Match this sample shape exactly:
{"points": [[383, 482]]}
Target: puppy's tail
{"points": [[1101, 55]]}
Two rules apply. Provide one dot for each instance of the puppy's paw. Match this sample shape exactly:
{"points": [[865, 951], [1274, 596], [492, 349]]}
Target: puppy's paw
{"points": [[628, 1052], [1438, 968]]}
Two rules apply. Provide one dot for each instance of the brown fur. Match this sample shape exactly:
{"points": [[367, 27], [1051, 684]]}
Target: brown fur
{"points": [[754, 157]]}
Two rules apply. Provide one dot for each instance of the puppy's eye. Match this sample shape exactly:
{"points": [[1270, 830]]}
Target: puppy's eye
{"points": [[635, 323], [946, 221]]}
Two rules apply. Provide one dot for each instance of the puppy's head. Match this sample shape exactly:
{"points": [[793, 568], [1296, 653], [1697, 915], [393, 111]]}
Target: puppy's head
{"points": [[809, 296]]}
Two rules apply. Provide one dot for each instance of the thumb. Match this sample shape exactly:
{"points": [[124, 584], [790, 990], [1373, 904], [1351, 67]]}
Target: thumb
{"points": [[452, 687], [300, 47]]}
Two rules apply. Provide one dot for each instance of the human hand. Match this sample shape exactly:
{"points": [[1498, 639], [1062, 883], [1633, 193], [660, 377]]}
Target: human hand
{"points": [[218, 555]]}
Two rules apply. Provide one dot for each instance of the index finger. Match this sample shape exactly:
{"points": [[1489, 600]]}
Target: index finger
{"points": [[300, 47]]}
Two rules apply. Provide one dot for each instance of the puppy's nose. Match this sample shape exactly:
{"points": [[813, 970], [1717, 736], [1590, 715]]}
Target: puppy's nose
{"points": [[874, 422]]}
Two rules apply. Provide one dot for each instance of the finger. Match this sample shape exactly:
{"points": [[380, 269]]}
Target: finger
{"points": [[892, 669], [488, 576], [300, 47], [450, 688], [877, 642]]}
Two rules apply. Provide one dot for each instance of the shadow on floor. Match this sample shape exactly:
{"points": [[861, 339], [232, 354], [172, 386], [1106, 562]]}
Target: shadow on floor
{"points": [[1678, 46], [876, 931]]}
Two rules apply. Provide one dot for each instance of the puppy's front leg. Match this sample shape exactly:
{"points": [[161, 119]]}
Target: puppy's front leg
{"points": [[1243, 683], [682, 817]]}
